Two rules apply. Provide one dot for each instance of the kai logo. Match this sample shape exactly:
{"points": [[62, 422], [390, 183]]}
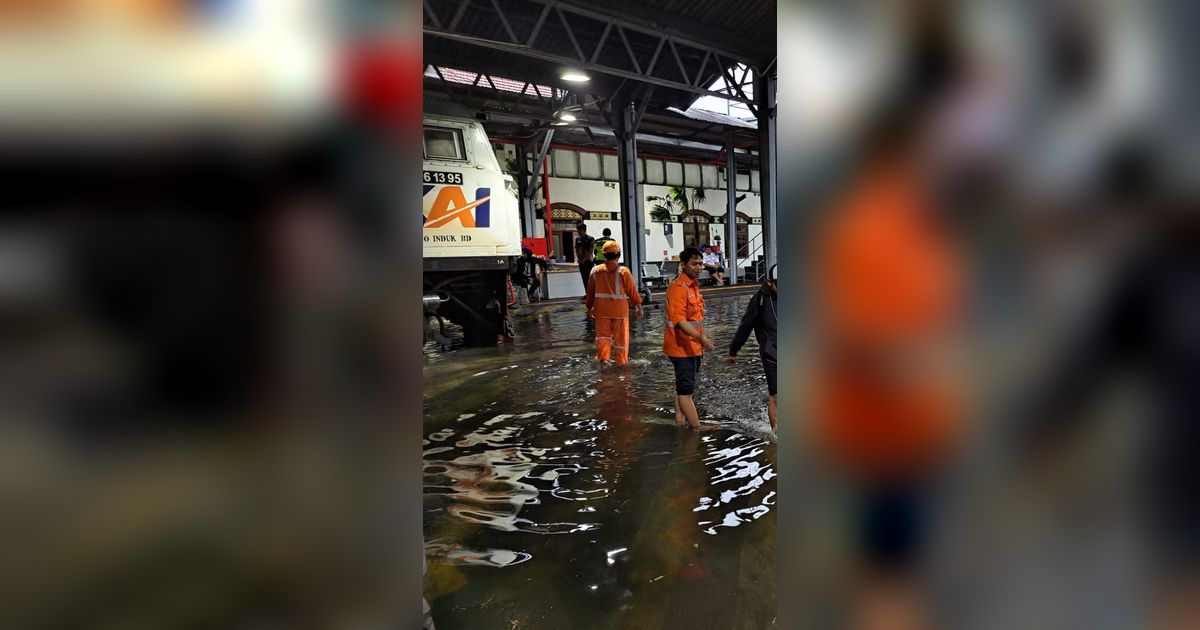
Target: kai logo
{"points": [[451, 205]]}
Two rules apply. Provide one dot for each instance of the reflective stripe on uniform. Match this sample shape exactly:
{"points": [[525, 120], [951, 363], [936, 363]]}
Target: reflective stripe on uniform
{"points": [[612, 296]]}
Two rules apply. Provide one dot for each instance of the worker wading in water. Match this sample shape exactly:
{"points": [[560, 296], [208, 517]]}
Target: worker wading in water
{"points": [[610, 290]]}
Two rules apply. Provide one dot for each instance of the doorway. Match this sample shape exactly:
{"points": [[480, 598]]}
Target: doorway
{"points": [[566, 244], [566, 217], [695, 228]]}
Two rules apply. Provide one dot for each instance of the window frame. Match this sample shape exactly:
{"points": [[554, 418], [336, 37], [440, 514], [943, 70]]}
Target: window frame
{"points": [[460, 142]]}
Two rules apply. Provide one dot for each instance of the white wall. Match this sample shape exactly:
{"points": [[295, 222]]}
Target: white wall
{"points": [[596, 195], [714, 203]]}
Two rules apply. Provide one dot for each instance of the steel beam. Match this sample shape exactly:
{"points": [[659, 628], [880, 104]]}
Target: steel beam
{"points": [[529, 48], [523, 186], [652, 31], [732, 86], [537, 164], [568, 61], [731, 207], [764, 89]]}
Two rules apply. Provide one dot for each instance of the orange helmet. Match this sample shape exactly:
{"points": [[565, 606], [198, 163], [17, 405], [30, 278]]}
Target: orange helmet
{"points": [[611, 247]]}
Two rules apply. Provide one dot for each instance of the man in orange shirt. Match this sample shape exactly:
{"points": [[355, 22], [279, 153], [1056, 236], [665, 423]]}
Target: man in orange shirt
{"points": [[890, 404], [610, 289], [684, 340]]}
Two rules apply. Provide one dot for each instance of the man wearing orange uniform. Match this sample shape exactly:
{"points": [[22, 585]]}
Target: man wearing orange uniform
{"points": [[889, 390], [889, 300], [684, 339], [610, 289]]}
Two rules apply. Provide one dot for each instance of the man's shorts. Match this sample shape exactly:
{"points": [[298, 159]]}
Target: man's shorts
{"points": [[892, 524], [771, 368], [686, 369]]}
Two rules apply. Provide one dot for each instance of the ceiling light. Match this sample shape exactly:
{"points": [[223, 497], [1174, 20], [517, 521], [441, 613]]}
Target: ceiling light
{"points": [[558, 123], [567, 116], [575, 76]]}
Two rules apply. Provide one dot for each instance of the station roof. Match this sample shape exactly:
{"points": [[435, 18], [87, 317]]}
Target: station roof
{"points": [[507, 57]]}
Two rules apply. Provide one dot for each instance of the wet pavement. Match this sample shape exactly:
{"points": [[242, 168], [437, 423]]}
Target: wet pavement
{"points": [[561, 495]]}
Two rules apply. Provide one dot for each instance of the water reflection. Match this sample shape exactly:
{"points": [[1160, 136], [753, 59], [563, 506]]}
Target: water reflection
{"points": [[575, 482]]}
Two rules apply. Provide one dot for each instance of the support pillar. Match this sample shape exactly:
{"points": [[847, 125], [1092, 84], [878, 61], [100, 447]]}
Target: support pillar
{"points": [[633, 245], [764, 91], [523, 191], [731, 208]]}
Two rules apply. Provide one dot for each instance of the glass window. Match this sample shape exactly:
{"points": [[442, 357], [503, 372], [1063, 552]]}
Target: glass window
{"points": [[589, 165], [564, 163], [743, 180], [654, 172], [754, 181], [443, 144], [709, 175], [691, 175], [674, 173], [641, 170], [610, 168]]}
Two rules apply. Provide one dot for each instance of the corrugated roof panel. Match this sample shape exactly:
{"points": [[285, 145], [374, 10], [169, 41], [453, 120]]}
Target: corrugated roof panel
{"points": [[713, 117]]}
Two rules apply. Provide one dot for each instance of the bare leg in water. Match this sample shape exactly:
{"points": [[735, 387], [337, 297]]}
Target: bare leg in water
{"points": [[889, 601], [685, 409]]}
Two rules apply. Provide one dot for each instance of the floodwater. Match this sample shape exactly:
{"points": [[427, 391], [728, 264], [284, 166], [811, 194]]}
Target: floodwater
{"points": [[559, 494]]}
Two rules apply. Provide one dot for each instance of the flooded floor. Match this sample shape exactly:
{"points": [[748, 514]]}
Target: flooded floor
{"points": [[561, 495]]}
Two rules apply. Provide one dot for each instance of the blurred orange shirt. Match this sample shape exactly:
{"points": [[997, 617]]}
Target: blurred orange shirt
{"points": [[888, 300]]}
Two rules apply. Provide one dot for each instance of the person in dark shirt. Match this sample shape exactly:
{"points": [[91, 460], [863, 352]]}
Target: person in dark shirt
{"points": [[762, 317], [525, 273], [1149, 320], [584, 246]]}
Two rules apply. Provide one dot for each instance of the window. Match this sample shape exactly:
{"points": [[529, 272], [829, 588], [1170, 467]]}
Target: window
{"points": [[641, 170], [564, 163], [674, 174], [710, 176], [610, 168], [589, 165], [743, 180], [754, 181], [654, 172], [442, 143], [691, 175]]}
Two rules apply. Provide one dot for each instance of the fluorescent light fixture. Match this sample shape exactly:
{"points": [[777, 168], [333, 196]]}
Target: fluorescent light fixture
{"points": [[575, 76], [558, 123], [567, 116]]}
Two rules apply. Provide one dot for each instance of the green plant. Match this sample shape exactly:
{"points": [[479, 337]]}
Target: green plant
{"points": [[674, 203]]}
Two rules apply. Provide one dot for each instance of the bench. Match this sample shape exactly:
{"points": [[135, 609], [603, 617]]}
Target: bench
{"points": [[652, 275]]}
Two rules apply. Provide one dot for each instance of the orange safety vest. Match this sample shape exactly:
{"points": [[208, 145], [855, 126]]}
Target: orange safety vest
{"points": [[888, 295], [610, 292]]}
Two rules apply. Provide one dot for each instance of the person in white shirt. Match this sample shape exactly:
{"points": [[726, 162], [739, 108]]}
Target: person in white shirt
{"points": [[713, 263]]}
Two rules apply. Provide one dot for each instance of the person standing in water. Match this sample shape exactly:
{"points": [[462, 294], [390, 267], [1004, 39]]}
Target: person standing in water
{"points": [[684, 340], [610, 289], [762, 317], [583, 253]]}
